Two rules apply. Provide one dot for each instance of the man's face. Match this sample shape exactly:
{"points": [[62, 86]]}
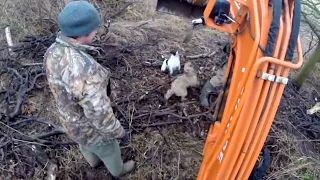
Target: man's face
{"points": [[89, 39]]}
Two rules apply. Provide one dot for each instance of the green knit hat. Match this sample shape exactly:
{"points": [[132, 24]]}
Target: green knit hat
{"points": [[79, 18]]}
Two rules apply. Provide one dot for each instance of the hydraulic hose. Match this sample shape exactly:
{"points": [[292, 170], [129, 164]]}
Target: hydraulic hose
{"points": [[295, 30], [274, 29]]}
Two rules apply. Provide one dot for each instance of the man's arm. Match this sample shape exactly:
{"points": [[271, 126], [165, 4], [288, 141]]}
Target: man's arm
{"points": [[96, 104]]}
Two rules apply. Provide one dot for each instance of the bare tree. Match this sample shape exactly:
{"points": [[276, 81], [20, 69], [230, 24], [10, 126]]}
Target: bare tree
{"points": [[311, 18]]}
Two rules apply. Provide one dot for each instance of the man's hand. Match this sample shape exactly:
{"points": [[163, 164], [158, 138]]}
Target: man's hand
{"points": [[125, 140]]}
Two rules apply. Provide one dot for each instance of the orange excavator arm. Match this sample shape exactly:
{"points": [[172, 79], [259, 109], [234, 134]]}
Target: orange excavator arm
{"points": [[264, 36]]}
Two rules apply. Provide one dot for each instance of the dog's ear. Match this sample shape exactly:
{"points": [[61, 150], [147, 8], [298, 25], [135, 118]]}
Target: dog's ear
{"points": [[173, 52]]}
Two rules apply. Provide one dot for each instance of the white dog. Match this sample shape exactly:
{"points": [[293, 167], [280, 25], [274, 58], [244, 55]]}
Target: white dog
{"points": [[172, 64]]}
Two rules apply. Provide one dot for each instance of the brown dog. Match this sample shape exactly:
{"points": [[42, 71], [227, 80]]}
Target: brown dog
{"points": [[187, 79]]}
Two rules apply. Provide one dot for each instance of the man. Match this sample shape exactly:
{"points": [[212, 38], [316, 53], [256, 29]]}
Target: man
{"points": [[79, 86]]}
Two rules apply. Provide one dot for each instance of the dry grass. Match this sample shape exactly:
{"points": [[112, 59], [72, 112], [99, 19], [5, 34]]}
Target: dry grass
{"points": [[166, 154], [29, 16], [292, 157]]}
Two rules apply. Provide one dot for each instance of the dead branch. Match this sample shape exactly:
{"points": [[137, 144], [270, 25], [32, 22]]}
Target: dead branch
{"points": [[311, 5], [54, 132], [121, 10], [136, 99], [158, 124], [9, 38], [34, 119], [16, 73], [151, 64], [32, 64], [142, 24], [5, 143], [312, 25], [149, 113], [20, 97], [171, 113], [36, 139], [310, 46], [182, 117], [121, 111]]}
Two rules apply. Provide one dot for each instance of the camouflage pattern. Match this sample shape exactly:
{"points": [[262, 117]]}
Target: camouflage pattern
{"points": [[79, 86]]}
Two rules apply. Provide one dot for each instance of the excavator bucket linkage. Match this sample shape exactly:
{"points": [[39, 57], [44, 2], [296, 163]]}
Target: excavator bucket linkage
{"points": [[185, 8], [264, 35]]}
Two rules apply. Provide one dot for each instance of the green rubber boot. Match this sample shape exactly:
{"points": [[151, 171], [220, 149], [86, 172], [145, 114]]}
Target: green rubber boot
{"points": [[127, 167]]}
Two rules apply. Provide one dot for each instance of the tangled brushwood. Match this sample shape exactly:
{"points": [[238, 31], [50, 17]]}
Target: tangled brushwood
{"points": [[294, 138], [22, 148]]}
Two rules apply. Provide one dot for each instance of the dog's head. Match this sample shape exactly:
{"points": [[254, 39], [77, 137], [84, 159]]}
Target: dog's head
{"points": [[189, 68]]}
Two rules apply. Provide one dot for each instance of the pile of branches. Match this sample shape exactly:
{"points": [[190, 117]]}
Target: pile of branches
{"points": [[294, 108], [22, 151]]}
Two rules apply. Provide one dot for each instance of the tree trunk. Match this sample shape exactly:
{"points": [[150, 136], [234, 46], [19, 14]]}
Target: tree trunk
{"points": [[308, 67]]}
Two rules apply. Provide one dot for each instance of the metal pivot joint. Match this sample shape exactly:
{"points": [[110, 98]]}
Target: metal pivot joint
{"points": [[221, 12], [274, 78]]}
